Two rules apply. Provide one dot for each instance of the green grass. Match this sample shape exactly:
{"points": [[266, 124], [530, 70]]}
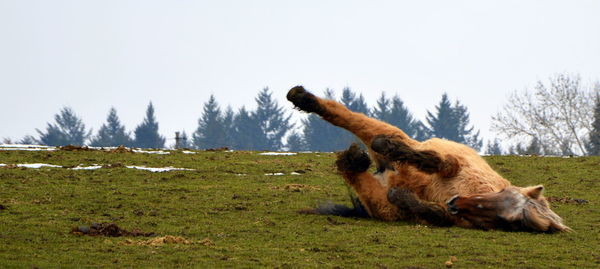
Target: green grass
{"points": [[252, 218]]}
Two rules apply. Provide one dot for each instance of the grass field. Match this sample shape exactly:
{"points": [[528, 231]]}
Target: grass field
{"points": [[235, 215]]}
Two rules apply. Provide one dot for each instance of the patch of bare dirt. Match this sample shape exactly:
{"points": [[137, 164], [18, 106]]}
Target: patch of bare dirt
{"points": [[159, 241], [75, 148], [121, 149], [295, 188], [10, 166], [218, 149], [566, 200], [107, 229]]}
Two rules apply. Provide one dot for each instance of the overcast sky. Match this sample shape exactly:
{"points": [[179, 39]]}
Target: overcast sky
{"points": [[91, 55]]}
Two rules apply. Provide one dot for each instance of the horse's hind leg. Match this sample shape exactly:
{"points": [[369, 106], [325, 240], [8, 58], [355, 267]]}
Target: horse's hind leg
{"points": [[429, 212], [337, 114]]}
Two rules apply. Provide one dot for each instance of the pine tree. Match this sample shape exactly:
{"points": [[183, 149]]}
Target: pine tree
{"points": [[112, 133], [210, 132], [228, 126], [593, 145], [246, 131], [146, 134], [494, 148], [68, 130], [443, 124], [354, 103], [295, 142], [452, 123], [382, 109], [28, 140], [534, 148], [403, 119], [272, 121]]}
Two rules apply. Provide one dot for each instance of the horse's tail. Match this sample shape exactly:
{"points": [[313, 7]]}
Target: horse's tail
{"points": [[357, 209]]}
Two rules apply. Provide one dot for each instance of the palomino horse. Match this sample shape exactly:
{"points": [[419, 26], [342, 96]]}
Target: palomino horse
{"points": [[437, 181]]}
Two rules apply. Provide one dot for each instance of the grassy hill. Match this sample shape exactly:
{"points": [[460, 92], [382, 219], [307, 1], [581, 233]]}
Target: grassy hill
{"points": [[238, 209]]}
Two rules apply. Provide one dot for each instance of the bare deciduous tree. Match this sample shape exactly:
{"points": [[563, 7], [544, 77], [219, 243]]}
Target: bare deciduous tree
{"points": [[558, 114]]}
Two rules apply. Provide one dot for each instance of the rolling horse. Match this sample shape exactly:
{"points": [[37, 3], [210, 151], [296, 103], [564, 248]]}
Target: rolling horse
{"points": [[437, 181]]}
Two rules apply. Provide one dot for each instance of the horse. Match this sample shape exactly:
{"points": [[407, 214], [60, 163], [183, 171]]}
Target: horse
{"points": [[436, 182]]}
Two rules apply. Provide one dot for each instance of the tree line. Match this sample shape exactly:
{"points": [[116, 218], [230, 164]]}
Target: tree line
{"points": [[565, 122], [268, 127]]}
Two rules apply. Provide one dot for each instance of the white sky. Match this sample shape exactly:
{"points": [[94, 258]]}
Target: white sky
{"points": [[91, 55]]}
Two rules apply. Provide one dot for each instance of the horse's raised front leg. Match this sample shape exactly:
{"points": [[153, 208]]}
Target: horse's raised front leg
{"points": [[394, 149], [363, 127]]}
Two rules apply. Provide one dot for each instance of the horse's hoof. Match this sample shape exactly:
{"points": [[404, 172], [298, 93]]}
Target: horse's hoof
{"points": [[353, 159], [401, 197], [304, 100]]}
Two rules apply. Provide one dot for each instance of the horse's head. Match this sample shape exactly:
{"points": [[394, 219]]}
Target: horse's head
{"points": [[513, 208]]}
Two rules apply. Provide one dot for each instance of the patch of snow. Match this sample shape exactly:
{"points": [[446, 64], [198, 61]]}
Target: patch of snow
{"points": [[26, 147], [150, 151], [1, 164], [37, 165], [278, 153], [29, 149], [93, 167], [240, 175], [187, 152], [23, 146], [274, 174], [158, 169], [282, 174]]}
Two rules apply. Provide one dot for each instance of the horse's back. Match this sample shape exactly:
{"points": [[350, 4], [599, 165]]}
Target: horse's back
{"points": [[475, 174]]}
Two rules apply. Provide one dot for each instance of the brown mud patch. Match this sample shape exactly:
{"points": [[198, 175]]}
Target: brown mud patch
{"points": [[121, 149], [75, 148], [107, 229], [218, 149], [295, 188]]}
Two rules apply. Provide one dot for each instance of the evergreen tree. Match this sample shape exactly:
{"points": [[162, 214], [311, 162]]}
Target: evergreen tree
{"points": [[146, 134], [295, 142], [28, 140], [210, 132], [593, 145], [382, 109], [566, 148], [228, 126], [403, 119], [354, 103], [68, 130], [443, 124], [534, 148], [494, 148], [112, 133], [246, 131], [272, 121], [452, 123]]}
